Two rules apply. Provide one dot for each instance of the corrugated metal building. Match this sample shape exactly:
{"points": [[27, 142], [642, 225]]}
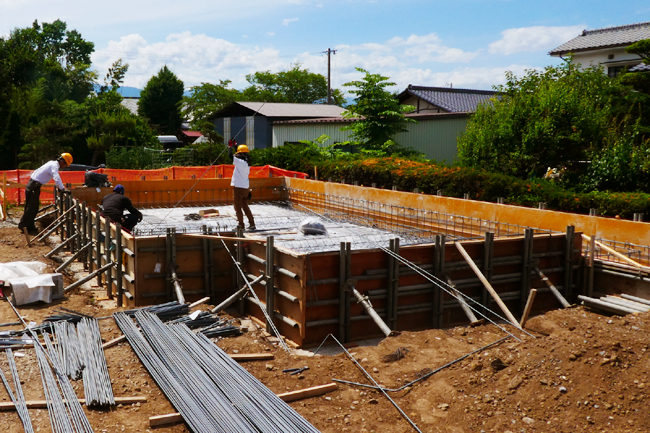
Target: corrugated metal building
{"points": [[250, 122], [435, 135]]}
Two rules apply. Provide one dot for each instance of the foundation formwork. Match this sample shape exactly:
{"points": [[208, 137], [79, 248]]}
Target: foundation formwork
{"points": [[311, 294]]}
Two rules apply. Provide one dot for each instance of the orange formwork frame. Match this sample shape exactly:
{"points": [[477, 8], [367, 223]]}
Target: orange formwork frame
{"points": [[310, 296]]}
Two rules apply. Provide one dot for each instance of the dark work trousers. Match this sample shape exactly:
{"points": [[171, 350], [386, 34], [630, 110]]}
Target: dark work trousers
{"points": [[129, 221], [241, 203], [32, 203]]}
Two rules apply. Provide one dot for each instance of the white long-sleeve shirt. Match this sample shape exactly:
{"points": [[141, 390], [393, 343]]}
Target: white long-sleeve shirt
{"points": [[240, 175], [47, 172]]}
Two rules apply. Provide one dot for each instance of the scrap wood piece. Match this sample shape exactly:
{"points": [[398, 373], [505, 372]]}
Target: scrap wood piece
{"points": [[42, 404], [269, 337], [240, 357], [487, 285], [172, 418]]}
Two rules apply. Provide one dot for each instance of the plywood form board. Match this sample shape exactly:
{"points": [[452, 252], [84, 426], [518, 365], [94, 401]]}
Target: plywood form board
{"points": [[92, 196], [187, 261], [184, 192], [604, 228]]}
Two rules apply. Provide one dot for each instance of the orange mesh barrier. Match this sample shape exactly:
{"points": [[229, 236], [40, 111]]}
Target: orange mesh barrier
{"points": [[17, 179]]}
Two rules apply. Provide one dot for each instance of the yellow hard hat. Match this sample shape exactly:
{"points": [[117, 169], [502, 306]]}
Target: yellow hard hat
{"points": [[67, 157], [242, 148]]}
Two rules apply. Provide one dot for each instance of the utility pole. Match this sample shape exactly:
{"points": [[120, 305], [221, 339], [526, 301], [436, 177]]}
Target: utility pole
{"points": [[329, 75]]}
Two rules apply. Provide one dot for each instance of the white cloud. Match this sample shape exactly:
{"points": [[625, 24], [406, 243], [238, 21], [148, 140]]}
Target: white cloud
{"points": [[193, 58], [531, 39], [429, 48], [270, 34], [286, 21]]}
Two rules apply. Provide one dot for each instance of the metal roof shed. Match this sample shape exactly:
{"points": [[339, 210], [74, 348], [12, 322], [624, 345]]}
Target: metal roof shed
{"points": [[250, 122]]}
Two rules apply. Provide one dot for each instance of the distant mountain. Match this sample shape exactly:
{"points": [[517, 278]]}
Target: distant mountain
{"points": [[129, 91]]}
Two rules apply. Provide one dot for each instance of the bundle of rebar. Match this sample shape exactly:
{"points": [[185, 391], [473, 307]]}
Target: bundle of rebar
{"points": [[69, 348], [18, 398], [97, 382], [204, 318], [210, 390], [165, 312], [223, 328], [68, 416]]}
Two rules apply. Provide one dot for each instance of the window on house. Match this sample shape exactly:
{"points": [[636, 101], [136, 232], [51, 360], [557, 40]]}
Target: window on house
{"points": [[615, 71]]}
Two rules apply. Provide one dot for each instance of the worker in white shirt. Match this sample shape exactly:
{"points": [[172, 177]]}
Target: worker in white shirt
{"points": [[42, 175], [242, 193]]}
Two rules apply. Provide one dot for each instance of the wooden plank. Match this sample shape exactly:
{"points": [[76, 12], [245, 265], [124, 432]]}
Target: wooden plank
{"points": [[307, 392], [172, 418], [42, 404], [113, 342], [487, 285], [167, 419], [241, 357], [529, 306]]}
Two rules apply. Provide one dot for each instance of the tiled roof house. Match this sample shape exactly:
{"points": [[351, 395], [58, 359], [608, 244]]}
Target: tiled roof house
{"points": [[444, 99], [605, 47]]}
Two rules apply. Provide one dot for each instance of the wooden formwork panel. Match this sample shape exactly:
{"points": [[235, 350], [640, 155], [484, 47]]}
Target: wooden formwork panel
{"points": [[367, 263], [184, 192], [151, 285]]}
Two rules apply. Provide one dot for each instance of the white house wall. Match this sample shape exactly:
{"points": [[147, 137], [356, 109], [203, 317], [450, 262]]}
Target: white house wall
{"points": [[602, 57]]}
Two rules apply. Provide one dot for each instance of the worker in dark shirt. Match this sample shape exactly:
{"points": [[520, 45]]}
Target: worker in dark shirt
{"points": [[114, 206]]}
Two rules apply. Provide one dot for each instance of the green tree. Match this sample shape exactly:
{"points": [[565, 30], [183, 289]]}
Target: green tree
{"points": [[115, 76], [11, 142], [203, 101], [298, 86], [562, 116], [640, 81], [160, 101], [377, 112]]}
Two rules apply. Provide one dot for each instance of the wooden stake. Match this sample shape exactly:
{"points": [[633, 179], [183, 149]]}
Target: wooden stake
{"points": [[487, 285], [529, 306], [42, 404], [172, 418]]}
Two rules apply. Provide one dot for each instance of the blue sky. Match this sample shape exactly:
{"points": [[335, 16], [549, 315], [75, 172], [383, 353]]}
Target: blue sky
{"points": [[464, 43]]}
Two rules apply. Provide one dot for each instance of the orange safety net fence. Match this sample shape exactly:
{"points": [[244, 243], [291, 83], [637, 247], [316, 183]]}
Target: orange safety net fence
{"points": [[17, 179]]}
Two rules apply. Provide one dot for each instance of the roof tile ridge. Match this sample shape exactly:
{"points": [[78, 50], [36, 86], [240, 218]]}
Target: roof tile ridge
{"points": [[615, 28]]}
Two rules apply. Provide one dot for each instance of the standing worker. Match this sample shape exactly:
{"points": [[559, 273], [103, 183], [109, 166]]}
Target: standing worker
{"points": [[242, 193], [41, 176], [114, 206]]}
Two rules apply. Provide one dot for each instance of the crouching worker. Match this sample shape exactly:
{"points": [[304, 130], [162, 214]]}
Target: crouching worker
{"points": [[242, 162], [41, 176], [114, 206]]}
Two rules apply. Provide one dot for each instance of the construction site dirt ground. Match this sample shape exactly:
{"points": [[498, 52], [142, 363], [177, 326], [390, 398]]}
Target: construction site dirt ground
{"points": [[581, 371]]}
